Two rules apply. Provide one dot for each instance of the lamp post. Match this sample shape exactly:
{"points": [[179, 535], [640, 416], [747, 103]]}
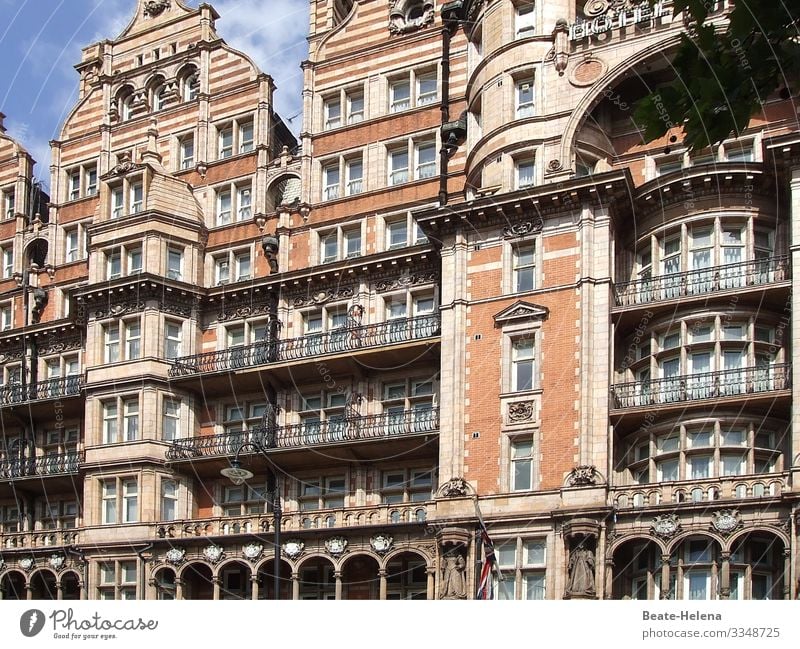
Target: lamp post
{"points": [[239, 476]]}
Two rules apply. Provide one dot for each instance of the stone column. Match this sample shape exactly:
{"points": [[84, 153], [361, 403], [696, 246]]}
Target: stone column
{"points": [[82, 590], [295, 585], [665, 576], [59, 590], [254, 586], [725, 576], [178, 588], [787, 573], [28, 591], [382, 577], [609, 585], [431, 592], [215, 580], [338, 577]]}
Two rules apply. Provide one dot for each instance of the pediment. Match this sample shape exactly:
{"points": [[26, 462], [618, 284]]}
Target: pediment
{"points": [[521, 311]]}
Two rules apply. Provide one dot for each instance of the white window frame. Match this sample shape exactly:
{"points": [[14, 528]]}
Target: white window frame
{"points": [[127, 198], [171, 340], [523, 107], [123, 423], [7, 258], [520, 181], [169, 271], [338, 240], [413, 79], [239, 207], [524, 20], [231, 260], [9, 203], [171, 413], [186, 151], [239, 143]]}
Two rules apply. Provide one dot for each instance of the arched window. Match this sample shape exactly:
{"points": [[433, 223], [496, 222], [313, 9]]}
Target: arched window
{"points": [[124, 103], [189, 84]]}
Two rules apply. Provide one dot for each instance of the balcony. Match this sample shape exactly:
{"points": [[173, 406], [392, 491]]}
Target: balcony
{"points": [[298, 521], [338, 341], [60, 388], [766, 485], [730, 277], [696, 387], [38, 539], [333, 431], [41, 465]]}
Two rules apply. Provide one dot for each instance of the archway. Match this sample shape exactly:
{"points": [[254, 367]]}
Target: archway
{"points": [[12, 585], [406, 577], [164, 581], [637, 571], [757, 565], [696, 568], [197, 582], [43, 585], [266, 580], [316, 579], [234, 580], [70, 586], [360, 578]]}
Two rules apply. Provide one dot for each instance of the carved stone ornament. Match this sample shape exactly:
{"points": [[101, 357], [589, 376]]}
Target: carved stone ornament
{"points": [[523, 228], [155, 8], [409, 15], [55, 345], [243, 311], [174, 308], [321, 297], [554, 165], [404, 280], [453, 488], [213, 553], [665, 526], [119, 309], [381, 543], [726, 521], [27, 563], [583, 476], [293, 548], [252, 551], [594, 8], [336, 546], [56, 561], [176, 556], [520, 411]]}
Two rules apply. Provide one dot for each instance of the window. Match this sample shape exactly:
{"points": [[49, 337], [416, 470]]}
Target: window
{"points": [[524, 98], [351, 169], [526, 173], [397, 234], [172, 339], [333, 113], [75, 243], [243, 417], [159, 98], [425, 90], [668, 166], [355, 106], [331, 175], [425, 158], [322, 493], [523, 563], [227, 208], [243, 500], [524, 20], [120, 501], [120, 420], [9, 519], [169, 500], [342, 243], [190, 86], [406, 485], [9, 204], [423, 153], [7, 255], [117, 580], [523, 363], [127, 199], [522, 465], [171, 424], [174, 263], [186, 151], [524, 269], [237, 137], [398, 166], [59, 514], [123, 335], [232, 266], [6, 317], [408, 405], [124, 260], [354, 172]]}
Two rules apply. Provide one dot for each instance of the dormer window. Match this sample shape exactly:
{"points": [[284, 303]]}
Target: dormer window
{"points": [[127, 198]]}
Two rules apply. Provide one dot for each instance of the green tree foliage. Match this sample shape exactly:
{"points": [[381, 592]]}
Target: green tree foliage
{"points": [[725, 72]]}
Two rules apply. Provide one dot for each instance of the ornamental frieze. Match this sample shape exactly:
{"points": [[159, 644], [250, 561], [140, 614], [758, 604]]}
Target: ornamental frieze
{"points": [[237, 312], [406, 279], [55, 345], [521, 229], [321, 297], [521, 411], [122, 308]]}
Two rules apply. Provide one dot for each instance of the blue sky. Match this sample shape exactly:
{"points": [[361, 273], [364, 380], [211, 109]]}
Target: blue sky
{"points": [[41, 41]]}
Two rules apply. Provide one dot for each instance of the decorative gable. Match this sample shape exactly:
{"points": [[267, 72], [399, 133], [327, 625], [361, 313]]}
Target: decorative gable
{"points": [[521, 311]]}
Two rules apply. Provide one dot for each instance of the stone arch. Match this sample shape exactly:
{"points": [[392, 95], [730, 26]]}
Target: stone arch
{"points": [[164, 580], [197, 580], [676, 542], [598, 92], [360, 576], [234, 577], [429, 561], [749, 531], [70, 581], [266, 579], [284, 189], [43, 583], [316, 574], [635, 564], [407, 574], [12, 585], [611, 548], [36, 253]]}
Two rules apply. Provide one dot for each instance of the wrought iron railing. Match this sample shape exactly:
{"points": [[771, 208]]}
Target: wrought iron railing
{"points": [[707, 385], [331, 431], [42, 465], [330, 342], [60, 388], [701, 281]]}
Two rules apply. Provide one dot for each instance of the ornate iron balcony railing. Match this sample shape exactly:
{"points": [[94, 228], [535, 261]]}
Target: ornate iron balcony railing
{"points": [[68, 386], [331, 431], [708, 385], [330, 342], [701, 281], [42, 465]]}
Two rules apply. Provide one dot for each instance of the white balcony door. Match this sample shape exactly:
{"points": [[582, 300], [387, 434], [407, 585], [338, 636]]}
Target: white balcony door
{"points": [[701, 382]]}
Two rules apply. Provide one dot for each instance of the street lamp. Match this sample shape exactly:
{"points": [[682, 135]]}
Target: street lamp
{"points": [[236, 474]]}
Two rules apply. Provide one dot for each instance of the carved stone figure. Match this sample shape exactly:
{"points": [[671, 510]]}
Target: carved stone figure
{"points": [[581, 572], [454, 581]]}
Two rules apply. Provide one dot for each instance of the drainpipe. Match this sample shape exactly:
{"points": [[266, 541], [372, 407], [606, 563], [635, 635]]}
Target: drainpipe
{"points": [[451, 18]]}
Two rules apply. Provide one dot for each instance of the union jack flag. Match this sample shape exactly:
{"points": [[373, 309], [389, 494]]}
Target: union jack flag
{"points": [[486, 584]]}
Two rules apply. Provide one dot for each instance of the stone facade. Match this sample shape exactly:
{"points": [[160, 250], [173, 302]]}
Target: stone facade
{"points": [[472, 290]]}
